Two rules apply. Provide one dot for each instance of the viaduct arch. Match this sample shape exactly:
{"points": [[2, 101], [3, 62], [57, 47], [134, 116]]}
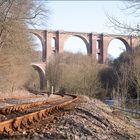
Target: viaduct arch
{"points": [[90, 40], [40, 67], [40, 36]]}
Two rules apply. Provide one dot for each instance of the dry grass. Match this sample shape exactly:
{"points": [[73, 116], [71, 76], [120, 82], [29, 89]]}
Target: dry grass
{"points": [[15, 94]]}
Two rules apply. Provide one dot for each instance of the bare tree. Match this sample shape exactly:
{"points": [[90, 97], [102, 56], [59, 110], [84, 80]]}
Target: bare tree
{"points": [[135, 78], [131, 69], [122, 74], [74, 73], [133, 9], [124, 82], [53, 72], [16, 52], [21, 14], [123, 26]]}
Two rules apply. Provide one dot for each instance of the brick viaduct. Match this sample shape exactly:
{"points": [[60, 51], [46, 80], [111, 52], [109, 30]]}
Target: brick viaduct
{"points": [[96, 44]]}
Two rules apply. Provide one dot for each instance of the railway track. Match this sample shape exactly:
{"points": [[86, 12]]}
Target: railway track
{"points": [[19, 116]]}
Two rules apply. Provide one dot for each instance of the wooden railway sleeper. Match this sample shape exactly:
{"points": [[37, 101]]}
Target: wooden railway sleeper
{"points": [[43, 115], [39, 115], [16, 124], [35, 119], [23, 124], [8, 130], [30, 119]]}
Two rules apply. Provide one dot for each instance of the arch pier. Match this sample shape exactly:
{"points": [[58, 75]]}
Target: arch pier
{"points": [[40, 67]]}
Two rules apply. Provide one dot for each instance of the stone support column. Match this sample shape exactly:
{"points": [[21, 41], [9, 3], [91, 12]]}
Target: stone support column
{"points": [[48, 45], [60, 41], [93, 45]]}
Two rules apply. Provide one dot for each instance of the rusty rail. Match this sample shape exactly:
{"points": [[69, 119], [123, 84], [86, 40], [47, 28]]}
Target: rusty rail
{"points": [[18, 122], [25, 106]]}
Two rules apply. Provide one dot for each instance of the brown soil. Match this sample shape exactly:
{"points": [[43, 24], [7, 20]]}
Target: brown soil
{"points": [[92, 120]]}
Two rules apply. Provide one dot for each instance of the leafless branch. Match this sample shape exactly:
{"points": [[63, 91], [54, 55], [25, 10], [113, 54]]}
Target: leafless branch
{"points": [[122, 26]]}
